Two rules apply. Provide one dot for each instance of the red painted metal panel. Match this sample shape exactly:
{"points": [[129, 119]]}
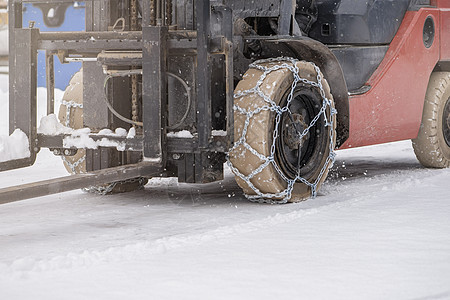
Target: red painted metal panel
{"points": [[441, 3], [392, 109], [445, 33]]}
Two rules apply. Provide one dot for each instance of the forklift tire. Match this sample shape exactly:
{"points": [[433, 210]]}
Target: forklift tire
{"points": [[432, 145], [315, 146], [71, 115]]}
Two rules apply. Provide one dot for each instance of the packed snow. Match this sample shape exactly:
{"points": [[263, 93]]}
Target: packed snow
{"points": [[379, 229], [15, 146], [3, 38], [219, 133], [184, 134], [41, 108], [81, 138], [131, 133], [50, 125], [119, 132]]}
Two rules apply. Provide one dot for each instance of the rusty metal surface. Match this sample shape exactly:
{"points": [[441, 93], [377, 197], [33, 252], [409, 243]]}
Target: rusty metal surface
{"points": [[73, 182]]}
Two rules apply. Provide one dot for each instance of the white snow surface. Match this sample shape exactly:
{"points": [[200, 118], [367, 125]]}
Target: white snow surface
{"points": [[15, 146], [4, 39], [184, 134], [80, 138], [119, 132], [131, 133], [41, 108], [379, 229], [50, 125], [219, 133]]}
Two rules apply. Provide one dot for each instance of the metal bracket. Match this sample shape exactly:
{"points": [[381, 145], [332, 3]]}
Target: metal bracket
{"points": [[22, 87], [68, 183], [154, 94]]}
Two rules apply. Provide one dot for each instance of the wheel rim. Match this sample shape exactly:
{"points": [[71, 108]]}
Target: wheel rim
{"points": [[305, 105], [446, 122]]}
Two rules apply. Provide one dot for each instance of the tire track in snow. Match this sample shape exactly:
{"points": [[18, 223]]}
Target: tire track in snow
{"points": [[373, 188], [27, 266]]}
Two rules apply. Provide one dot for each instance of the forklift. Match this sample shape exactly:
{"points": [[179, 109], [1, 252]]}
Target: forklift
{"points": [[271, 88]]}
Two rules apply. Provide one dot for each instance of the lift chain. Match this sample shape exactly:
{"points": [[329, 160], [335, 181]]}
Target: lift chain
{"points": [[267, 66], [134, 15], [134, 78], [169, 8], [134, 99], [152, 12]]}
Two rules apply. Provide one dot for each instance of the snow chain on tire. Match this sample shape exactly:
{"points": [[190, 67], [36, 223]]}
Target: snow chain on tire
{"points": [[109, 188], [71, 115], [327, 110]]}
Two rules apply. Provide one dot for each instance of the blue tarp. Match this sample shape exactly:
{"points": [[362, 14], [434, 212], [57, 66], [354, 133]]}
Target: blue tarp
{"points": [[74, 21]]}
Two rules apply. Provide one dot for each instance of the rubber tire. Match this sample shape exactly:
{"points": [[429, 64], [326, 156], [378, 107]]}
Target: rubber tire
{"points": [[260, 130], [74, 92], [430, 147]]}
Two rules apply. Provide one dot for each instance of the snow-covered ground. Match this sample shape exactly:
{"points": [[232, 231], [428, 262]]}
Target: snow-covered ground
{"points": [[3, 31], [4, 39], [380, 229]]}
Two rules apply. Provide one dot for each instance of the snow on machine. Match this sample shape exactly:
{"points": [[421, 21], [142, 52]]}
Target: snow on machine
{"points": [[176, 88]]}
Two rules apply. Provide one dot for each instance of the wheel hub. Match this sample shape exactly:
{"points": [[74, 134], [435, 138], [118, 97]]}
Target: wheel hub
{"points": [[297, 154], [446, 122], [294, 127]]}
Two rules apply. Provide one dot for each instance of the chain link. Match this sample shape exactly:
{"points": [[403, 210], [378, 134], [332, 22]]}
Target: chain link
{"points": [[74, 165], [265, 66], [69, 105], [108, 188], [101, 189], [134, 78]]}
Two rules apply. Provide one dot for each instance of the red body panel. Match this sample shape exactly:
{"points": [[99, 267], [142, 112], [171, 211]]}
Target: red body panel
{"points": [[445, 32], [441, 3], [392, 109]]}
